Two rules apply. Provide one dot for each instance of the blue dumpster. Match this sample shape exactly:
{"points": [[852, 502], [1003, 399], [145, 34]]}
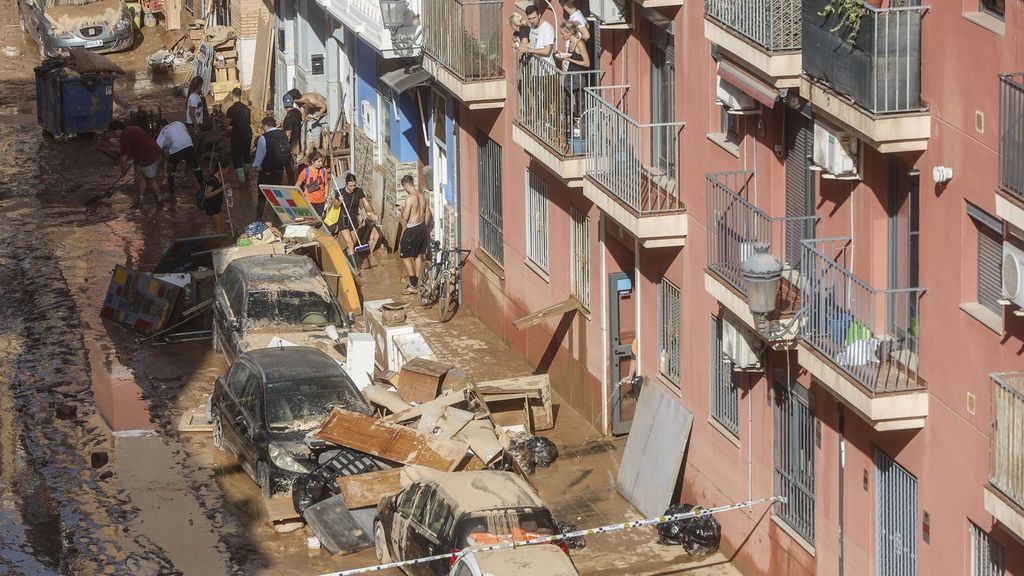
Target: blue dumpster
{"points": [[71, 103]]}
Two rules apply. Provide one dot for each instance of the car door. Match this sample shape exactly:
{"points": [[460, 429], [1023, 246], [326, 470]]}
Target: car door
{"points": [[228, 403], [402, 520], [228, 305], [436, 526], [251, 421], [417, 540]]}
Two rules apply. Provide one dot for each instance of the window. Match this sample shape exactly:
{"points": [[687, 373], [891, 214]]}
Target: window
{"points": [[669, 315], [492, 239], [729, 125], [990, 255], [663, 81], [996, 8], [579, 256], [988, 558], [537, 220], [384, 119], [793, 427], [725, 398]]}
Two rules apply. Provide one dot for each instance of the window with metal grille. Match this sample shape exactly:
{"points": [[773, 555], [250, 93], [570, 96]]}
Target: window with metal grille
{"points": [[793, 426], [988, 557], [579, 256], [492, 238], [669, 319], [990, 255], [996, 8], [725, 396], [537, 220]]}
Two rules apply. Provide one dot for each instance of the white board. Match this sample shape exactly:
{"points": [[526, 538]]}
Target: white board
{"points": [[653, 458]]}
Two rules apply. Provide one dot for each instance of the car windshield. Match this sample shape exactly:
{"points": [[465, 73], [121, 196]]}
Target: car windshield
{"points": [[303, 404], [494, 526], [289, 308]]}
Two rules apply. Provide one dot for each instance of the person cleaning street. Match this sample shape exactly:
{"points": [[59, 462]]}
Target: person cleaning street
{"points": [[314, 181], [351, 198], [141, 149], [273, 161], [212, 203], [240, 123], [416, 238], [175, 140]]}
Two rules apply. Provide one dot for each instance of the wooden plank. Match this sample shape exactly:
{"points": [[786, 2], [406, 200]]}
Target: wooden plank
{"points": [[363, 490], [280, 508], [447, 398], [390, 441], [260, 88], [570, 304], [443, 422]]}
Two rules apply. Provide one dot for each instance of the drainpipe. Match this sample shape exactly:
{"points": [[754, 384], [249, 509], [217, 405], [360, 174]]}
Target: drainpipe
{"points": [[842, 474], [605, 393], [636, 305]]}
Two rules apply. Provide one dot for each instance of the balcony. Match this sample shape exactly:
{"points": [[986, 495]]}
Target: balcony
{"points": [[1004, 498], [364, 18], [867, 79], [861, 342], [462, 50], [550, 116], [1010, 199], [763, 33], [735, 225], [632, 169]]}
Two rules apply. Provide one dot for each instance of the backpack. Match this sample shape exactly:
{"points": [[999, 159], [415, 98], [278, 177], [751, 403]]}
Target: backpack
{"points": [[279, 154]]}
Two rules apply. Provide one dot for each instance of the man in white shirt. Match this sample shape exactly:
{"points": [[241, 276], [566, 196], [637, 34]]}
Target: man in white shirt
{"points": [[542, 36], [194, 112], [174, 139], [574, 14]]}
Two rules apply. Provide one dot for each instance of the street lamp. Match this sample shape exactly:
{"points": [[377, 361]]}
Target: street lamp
{"points": [[396, 15], [762, 276]]}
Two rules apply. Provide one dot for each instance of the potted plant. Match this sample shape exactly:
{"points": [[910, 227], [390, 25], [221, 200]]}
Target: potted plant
{"points": [[848, 14]]}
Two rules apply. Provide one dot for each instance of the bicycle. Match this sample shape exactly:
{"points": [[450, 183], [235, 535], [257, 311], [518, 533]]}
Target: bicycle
{"points": [[440, 281]]}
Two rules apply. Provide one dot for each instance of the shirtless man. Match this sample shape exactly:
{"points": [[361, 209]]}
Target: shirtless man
{"points": [[312, 104], [416, 238]]}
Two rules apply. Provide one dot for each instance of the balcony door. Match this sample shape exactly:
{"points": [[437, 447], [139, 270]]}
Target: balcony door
{"points": [[663, 103], [800, 200], [904, 248]]}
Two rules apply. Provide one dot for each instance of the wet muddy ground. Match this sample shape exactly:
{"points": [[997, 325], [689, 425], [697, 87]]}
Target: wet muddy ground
{"points": [[94, 477]]}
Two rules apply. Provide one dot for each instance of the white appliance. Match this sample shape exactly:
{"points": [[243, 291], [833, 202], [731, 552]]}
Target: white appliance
{"points": [[737, 101], [836, 153], [738, 349], [611, 13], [1013, 274], [359, 358]]}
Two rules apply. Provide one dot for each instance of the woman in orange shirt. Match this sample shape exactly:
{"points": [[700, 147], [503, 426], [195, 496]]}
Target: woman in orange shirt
{"points": [[314, 182]]}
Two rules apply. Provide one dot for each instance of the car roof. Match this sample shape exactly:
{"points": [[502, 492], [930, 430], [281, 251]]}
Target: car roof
{"points": [[480, 490], [275, 270], [536, 560], [292, 362]]}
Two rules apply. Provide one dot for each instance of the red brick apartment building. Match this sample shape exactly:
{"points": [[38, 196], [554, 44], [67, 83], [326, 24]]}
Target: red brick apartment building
{"points": [[806, 219]]}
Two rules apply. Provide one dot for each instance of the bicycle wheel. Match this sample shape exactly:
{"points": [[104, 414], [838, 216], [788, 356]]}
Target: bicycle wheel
{"points": [[428, 284], [448, 298]]}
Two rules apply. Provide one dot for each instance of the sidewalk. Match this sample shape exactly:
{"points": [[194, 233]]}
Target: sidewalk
{"points": [[580, 486]]}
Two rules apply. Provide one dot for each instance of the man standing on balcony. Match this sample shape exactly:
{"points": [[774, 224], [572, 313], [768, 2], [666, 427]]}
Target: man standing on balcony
{"points": [[542, 36]]}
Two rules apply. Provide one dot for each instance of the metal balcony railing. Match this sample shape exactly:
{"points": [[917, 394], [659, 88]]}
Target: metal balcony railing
{"points": [[551, 104], [1011, 134], [465, 36], [1007, 465], [637, 163], [878, 64], [771, 24], [735, 225], [870, 334]]}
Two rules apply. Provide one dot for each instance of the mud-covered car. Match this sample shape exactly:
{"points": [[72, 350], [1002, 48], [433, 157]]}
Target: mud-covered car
{"points": [[57, 26], [536, 560], [447, 512], [258, 298], [270, 401]]}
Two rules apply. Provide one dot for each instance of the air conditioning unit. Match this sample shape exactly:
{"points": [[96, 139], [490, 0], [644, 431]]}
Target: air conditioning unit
{"points": [[736, 347], [737, 101], [836, 153], [1013, 274], [611, 13]]}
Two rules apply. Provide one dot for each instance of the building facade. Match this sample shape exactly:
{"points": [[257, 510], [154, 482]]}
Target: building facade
{"points": [[871, 166]]}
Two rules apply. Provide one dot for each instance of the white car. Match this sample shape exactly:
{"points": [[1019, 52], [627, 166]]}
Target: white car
{"points": [[536, 560]]}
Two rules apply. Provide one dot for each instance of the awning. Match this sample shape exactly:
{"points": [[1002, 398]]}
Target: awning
{"points": [[570, 304], [751, 85], [406, 78]]}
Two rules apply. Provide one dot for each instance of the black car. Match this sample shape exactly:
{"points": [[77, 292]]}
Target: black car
{"points": [[446, 512], [285, 296], [267, 404]]}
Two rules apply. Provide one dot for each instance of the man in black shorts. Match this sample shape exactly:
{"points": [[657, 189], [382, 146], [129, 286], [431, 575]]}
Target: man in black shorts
{"points": [[240, 122], [176, 141], [416, 238]]}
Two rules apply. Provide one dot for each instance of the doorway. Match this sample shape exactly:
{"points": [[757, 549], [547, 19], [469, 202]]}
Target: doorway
{"points": [[622, 323]]}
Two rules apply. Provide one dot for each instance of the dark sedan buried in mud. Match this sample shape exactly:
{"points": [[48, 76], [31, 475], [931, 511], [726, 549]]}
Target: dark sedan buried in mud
{"points": [[267, 405], [57, 26]]}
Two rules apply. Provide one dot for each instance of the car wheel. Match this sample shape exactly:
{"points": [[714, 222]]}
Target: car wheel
{"points": [[215, 338], [218, 432], [263, 479], [380, 543]]}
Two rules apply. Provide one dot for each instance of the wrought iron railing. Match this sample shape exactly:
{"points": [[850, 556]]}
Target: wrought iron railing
{"points": [[637, 163], [1007, 465], [877, 64], [771, 24], [465, 36], [869, 333], [551, 104], [1011, 134]]}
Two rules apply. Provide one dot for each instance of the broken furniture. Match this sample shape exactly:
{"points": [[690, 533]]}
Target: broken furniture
{"points": [[383, 334], [522, 400], [420, 380]]}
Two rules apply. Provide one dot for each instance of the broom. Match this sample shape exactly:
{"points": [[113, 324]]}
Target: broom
{"points": [[360, 248]]}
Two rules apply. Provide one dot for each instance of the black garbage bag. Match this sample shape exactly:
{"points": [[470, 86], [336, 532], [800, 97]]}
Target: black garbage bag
{"points": [[521, 446], [575, 542], [699, 536], [544, 451], [308, 489]]}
